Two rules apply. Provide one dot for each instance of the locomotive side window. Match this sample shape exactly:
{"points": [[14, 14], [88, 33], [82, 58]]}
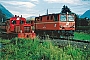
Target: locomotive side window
{"points": [[51, 17], [63, 17], [47, 17], [70, 18], [13, 22], [56, 17]]}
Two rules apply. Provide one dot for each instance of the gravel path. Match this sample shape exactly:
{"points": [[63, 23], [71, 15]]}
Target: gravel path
{"points": [[73, 43]]}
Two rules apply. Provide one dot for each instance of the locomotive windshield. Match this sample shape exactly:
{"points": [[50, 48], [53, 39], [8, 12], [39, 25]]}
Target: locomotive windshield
{"points": [[63, 17], [13, 22], [70, 18]]}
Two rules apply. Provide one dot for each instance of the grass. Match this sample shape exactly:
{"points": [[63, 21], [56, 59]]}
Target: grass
{"points": [[27, 49], [82, 36], [4, 41]]}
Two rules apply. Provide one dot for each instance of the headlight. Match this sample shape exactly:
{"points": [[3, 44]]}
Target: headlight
{"points": [[72, 26], [60, 26]]}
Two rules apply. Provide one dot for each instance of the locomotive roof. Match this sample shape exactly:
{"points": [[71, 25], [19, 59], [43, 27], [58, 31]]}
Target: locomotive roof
{"points": [[55, 14], [17, 17], [51, 14]]}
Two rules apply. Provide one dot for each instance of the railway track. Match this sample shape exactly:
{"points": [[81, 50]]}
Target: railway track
{"points": [[76, 43], [76, 40], [62, 42], [67, 39], [4, 35], [84, 44]]}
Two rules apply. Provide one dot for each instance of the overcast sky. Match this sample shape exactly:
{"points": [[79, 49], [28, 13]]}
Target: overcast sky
{"points": [[29, 8]]}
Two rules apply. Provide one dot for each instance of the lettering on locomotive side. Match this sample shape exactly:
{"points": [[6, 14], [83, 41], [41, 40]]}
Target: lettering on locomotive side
{"points": [[55, 25]]}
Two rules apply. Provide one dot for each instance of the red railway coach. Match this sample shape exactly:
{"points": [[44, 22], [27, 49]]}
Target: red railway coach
{"points": [[59, 25]]}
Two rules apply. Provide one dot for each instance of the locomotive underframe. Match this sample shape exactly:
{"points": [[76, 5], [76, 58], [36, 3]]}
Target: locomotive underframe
{"points": [[66, 34], [8, 36]]}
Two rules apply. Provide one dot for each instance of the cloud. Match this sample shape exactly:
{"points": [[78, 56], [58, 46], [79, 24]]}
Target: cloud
{"points": [[19, 7], [34, 1], [74, 2], [35, 7], [23, 14], [60, 1], [15, 12], [20, 3]]}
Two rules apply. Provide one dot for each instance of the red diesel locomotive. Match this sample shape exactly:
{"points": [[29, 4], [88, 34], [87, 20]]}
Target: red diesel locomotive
{"points": [[61, 25], [17, 26]]}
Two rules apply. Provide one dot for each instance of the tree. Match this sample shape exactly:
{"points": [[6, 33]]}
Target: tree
{"points": [[65, 9]]}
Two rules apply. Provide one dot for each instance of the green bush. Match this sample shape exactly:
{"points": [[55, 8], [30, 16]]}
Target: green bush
{"points": [[27, 49]]}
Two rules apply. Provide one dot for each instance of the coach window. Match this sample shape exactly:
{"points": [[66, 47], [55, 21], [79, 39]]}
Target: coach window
{"points": [[62, 17], [56, 17], [47, 17]]}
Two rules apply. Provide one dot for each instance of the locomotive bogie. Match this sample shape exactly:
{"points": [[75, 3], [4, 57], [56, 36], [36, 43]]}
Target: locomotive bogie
{"points": [[55, 33]]}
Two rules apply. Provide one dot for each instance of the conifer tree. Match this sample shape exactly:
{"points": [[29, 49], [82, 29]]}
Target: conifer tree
{"points": [[65, 9]]}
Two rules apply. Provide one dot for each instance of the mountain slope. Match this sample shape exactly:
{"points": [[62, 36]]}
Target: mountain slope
{"points": [[86, 14], [5, 11], [30, 18]]}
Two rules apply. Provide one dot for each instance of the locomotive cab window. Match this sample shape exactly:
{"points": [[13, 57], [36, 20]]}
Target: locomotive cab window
{"points": [[56, 17], [21, 22], [36, 19], [63, 18], [13, 22], [40, 18], [70, 18]]}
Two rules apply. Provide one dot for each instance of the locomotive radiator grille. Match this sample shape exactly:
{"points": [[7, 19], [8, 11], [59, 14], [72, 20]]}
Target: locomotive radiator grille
{"points": [[26, 29]]}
